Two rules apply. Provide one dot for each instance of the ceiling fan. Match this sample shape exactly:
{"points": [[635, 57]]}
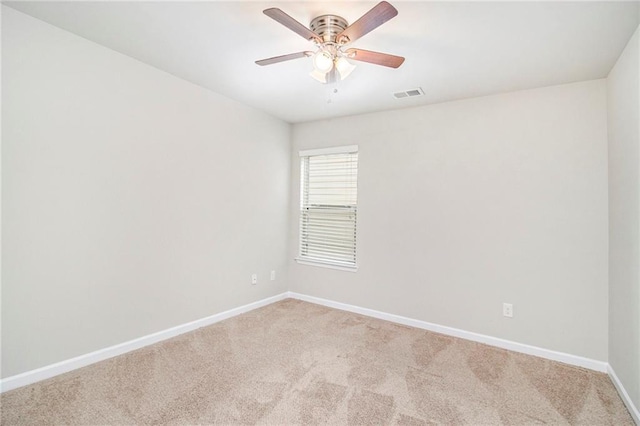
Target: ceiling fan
{"points": [[331, 34]]}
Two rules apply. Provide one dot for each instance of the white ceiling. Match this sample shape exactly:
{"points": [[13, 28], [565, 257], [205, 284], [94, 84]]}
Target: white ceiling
{"points": [[453, 50]]}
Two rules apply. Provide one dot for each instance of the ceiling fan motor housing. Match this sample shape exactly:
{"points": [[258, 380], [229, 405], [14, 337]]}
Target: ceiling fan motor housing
{"points": [[328, 27]]}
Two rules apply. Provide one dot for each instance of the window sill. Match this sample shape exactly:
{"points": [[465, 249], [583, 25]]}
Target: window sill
{"points": [[326, 265]]}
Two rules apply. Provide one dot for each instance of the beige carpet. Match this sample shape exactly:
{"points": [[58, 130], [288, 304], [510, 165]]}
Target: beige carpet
{"points": [[299, 363]]}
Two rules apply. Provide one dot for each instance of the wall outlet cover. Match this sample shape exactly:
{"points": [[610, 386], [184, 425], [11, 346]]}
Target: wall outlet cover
{"points": [[507, 310]]}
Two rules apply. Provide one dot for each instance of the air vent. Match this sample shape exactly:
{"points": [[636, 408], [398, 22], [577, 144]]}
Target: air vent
{"points": [[408, 93]]}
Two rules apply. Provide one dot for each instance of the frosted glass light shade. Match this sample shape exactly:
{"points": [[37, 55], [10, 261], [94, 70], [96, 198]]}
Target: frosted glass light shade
{"points": [[320, 76], [344, 67], [322, 61]]}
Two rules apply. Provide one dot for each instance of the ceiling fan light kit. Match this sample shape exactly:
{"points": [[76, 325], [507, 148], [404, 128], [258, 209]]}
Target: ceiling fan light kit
{"points": [[323, 61], [331, 33], [344, 67]]}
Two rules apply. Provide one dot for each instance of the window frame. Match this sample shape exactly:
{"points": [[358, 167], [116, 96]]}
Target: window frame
{"points": [[325, 263]]}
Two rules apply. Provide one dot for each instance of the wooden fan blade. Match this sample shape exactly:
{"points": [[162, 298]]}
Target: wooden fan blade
{"points": [[295, 26], [368, 22], [377, 58], [283, 58]]}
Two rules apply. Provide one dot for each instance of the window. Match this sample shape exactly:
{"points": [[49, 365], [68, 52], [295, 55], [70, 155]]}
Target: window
{"points": [[329, 206]]}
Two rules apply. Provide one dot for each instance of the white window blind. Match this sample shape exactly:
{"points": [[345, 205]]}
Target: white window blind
{"points": [[329, 206]]}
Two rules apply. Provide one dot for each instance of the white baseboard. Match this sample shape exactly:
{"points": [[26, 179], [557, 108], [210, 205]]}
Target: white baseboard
{"points": [[624, 395], [579, 361], [52, 370]]}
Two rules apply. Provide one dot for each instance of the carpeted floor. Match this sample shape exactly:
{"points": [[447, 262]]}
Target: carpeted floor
{"points": [[294, 362]]}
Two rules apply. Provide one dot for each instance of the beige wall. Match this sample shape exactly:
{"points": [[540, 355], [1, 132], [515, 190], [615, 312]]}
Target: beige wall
{"points": [[623, 88], [469, 204], [133, 201]]}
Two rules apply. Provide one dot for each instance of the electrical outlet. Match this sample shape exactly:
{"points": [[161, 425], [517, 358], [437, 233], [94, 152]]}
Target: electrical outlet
{"points": [[273, 275], [507, 310], [254, 279]]}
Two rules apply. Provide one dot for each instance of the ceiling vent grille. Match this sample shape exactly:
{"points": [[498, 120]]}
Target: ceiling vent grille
{"points": [[408, 93]]}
